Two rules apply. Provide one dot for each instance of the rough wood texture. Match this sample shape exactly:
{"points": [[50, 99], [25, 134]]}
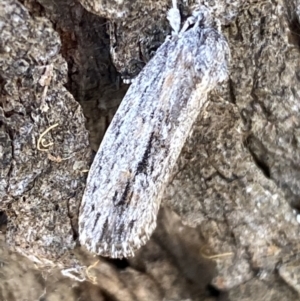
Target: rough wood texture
{"points": [[237, 180], [42, 177]]}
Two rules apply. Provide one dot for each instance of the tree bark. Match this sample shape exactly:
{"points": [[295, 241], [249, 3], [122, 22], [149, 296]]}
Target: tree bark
{"points": [[236, 185]]}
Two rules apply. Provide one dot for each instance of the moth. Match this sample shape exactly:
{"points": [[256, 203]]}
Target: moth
{"points": [[139, 150]]}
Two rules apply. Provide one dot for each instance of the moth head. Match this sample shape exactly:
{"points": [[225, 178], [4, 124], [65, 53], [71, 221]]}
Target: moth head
{"points": [[202, 15]]}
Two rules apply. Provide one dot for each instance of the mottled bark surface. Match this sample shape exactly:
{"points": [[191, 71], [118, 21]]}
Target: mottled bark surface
{"points": [[236, 182], [44, 144]]}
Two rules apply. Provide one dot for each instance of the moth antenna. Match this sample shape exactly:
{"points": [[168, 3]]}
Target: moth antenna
{"points": [[174, 17]]}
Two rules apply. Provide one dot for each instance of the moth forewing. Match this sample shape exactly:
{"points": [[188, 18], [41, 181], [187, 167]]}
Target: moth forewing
{"points": [[142, 144]]}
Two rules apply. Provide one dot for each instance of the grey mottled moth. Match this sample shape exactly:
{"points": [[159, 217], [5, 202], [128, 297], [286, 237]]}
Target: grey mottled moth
{"points": [[140, 148]]}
